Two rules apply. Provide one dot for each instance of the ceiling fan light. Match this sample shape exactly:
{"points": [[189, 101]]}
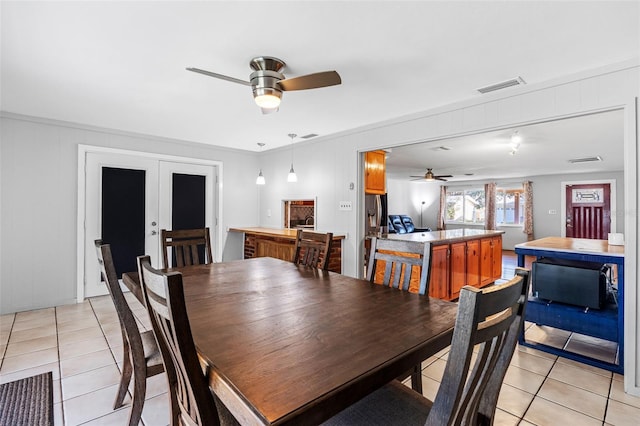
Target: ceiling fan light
{"points": [[267, 97]]}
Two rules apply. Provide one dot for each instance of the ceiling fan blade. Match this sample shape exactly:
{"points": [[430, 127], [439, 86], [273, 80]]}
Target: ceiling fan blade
{"points": [[220, 76], [421, 176], [439, 178], [311, 81], [443, 176]]}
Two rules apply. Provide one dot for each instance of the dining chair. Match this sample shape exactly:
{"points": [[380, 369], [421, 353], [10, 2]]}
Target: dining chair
{"points": [[141, 358], [490, 318], [186, 245], [404, 262], [164, 297], [313, 249]]}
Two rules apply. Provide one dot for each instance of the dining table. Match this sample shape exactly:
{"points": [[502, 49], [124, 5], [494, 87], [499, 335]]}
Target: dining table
{"points": [[287, 344]]}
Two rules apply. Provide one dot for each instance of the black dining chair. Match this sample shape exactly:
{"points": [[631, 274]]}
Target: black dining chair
{"points": [[491, 318], [195, 404], [141, 358], [313, 249]]}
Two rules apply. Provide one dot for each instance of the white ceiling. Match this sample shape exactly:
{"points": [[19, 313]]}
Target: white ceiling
{"points": [[121, 65], [545, 149]]}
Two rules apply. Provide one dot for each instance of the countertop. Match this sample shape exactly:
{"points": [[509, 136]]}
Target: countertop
{"points": [[444, 237], [573, 245], [287, 233]]}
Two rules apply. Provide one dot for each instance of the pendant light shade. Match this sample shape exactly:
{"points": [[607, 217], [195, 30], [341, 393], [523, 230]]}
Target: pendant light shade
{"points": [[292, 177], [260, 179]]}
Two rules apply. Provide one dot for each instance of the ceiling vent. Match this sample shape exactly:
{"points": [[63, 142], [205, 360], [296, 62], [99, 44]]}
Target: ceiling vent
{"points": [[309, 136], [585, 159], [502, 85]]}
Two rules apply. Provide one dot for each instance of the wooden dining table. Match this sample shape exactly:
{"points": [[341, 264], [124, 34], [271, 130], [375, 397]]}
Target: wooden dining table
{"points": [[287, 344]]}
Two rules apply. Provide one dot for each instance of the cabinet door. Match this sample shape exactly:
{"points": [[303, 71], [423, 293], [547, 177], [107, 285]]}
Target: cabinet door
{"points": [[458, 268], [279, 250], [496, 257], [374, 172], [486, 262], [439, 278], [473, 263]]}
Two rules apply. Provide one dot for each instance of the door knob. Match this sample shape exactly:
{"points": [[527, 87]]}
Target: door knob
{"points": [[153, 223]]}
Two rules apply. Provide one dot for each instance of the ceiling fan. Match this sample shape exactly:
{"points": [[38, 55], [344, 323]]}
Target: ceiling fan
{"points": [[268, 82], [429, 176]]}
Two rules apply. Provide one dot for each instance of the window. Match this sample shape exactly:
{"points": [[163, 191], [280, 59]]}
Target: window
{"points": [[509, 206], [465, 206]]}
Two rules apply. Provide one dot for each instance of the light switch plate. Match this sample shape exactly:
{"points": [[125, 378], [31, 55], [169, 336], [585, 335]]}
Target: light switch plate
{"points": [[345, 205]]}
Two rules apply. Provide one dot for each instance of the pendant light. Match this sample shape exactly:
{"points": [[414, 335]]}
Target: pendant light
{"points": [[292, 174], [260, 180]]}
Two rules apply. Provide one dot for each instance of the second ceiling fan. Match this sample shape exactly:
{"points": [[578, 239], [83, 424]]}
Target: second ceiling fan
{"points": [[268, 82], [429, 176]]}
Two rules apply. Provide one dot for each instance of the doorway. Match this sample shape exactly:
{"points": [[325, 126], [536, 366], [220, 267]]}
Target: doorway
{"points": [[586, 209], [129, 198]]}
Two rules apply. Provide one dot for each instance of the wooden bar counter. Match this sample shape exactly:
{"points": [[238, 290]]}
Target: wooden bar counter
{"points": [[459, 257], [280, 244]]}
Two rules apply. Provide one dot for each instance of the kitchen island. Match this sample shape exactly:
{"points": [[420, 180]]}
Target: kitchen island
{"points": [[280, 243], [459, 257]]}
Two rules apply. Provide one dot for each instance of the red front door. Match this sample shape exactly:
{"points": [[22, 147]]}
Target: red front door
{"points": [[588, 211]]}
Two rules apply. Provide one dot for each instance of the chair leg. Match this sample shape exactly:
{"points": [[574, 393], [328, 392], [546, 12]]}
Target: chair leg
{"points": [[139, 393], [125, 378], [416, 379]]}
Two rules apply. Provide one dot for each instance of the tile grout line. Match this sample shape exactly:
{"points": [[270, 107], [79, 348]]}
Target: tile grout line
{"points": [[55, 320], [6, 346]]}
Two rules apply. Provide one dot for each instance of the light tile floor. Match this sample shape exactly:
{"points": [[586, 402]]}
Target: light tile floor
{"points": [[82, 345]]}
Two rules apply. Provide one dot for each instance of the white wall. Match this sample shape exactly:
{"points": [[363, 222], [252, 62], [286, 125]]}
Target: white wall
{"points": [[38, 200]]}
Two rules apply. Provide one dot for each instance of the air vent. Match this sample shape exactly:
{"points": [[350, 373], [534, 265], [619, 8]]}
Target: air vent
{"points": [[502, 85], [309, 136], [585, 159]]}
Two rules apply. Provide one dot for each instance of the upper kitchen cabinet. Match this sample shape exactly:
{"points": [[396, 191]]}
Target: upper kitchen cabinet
{"points": [[374, 172]]}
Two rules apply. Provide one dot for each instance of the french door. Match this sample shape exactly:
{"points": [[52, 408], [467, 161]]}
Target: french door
{"points": [[129, 199]]}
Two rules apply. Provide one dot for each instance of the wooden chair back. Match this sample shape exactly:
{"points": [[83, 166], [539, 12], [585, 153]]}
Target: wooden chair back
{"points": [[141, 357], [399, 259], [313, 249], [491, 318], [164, 297], [185, 244]]}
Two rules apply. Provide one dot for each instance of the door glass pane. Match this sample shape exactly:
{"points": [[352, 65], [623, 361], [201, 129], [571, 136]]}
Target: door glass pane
{"points": [[188, 203], [123, 197]]}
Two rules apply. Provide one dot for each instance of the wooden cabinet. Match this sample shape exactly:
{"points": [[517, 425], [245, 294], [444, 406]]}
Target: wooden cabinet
{"points": [[490, 260], [374, 172], [496, 257], [439, 278], [486, 262], [473, 262], [458, 266]]}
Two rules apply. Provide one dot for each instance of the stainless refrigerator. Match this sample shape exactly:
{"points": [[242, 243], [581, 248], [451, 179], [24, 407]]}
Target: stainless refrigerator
{"points": [[376, 220]]}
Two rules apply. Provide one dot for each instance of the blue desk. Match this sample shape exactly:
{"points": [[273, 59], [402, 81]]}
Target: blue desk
{"points": [[606, 323]]}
